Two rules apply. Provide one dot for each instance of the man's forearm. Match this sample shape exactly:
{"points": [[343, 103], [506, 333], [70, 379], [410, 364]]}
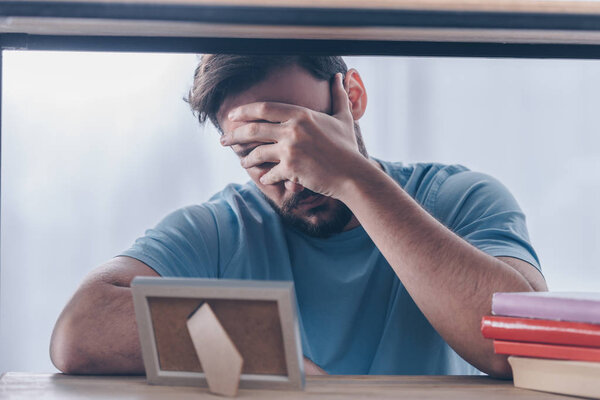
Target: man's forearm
{"points": [[450, 280], [103, 341]]}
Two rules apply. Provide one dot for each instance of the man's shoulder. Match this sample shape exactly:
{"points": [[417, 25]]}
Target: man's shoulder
{"points": [[421, 180], [437, 186], [234, 205], [418, 170], [235, 194]]}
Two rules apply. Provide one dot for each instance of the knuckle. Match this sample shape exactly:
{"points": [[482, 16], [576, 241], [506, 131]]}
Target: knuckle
{"points": [[252, 129], [263, 107], [247, 162], [304, 114], [288, 152], [295, 133], [293, 124], [309, 122]]}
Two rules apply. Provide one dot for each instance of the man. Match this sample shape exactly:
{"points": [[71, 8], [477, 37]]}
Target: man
{"points": [[394, 265]]}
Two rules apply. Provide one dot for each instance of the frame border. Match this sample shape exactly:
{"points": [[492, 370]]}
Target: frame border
{"points": [[282, 292]]}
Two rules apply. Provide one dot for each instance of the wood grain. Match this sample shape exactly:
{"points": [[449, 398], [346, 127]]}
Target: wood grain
{"points": [[205, 28], [545, 6], [59, 26], [64, 387]]}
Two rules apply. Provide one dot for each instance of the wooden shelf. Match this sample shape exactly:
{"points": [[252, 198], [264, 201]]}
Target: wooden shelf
{"points": [[491, 28]]}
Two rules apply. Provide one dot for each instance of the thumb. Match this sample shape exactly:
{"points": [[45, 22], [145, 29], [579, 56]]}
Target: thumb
{"points": [[339, 97]]}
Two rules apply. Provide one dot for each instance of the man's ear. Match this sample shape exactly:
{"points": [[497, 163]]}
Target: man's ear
{"points": [[357, 94]]}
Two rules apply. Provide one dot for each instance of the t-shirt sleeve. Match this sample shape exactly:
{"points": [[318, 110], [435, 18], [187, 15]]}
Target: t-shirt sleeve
{"points": [[481, 210], [183, 244]]}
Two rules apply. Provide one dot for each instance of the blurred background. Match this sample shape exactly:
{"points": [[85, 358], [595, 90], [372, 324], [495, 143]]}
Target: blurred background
{"points": [[98, 147]]}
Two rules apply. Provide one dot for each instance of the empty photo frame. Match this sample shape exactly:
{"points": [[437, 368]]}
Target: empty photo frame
{"points": [[258, 316]]}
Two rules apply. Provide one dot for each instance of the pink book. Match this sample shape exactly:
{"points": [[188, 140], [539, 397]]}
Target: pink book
{"points": [[563, 306]]}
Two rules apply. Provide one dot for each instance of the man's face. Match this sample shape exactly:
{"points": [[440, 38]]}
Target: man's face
{"points": [[307, 211]]}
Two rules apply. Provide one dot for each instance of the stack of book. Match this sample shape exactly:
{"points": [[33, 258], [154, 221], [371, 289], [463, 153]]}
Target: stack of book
{"points": [[553, 340]]}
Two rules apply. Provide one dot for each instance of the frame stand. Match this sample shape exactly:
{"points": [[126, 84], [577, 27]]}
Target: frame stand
{"points": [[220, 359]]}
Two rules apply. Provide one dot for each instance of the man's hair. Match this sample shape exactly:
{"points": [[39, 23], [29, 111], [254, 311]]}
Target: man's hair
{"points": [[221, 75]]}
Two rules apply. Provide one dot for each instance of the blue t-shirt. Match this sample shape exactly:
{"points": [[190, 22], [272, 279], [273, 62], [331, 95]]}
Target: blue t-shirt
{"points": [[356, 317]]}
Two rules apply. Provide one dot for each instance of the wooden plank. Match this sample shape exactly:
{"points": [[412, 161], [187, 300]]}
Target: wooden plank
{"points": [[64, 387], [494, 21], [520, 6], [77, 27]]}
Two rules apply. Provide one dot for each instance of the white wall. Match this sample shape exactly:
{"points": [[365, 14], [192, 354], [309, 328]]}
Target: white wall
{"points": [[98, 147]]}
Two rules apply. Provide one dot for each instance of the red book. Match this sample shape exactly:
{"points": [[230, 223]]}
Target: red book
{"points": [[541, 331], [539, 350]]}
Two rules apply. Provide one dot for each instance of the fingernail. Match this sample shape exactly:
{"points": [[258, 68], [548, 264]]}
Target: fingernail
{"points": [[232, 115], [223, 140]]}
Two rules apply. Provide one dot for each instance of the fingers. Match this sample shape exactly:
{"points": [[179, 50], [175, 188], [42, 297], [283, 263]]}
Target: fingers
{"points": [[266, 153], [274, 175], [339, 97], [253, 132], [293, 187], [264, 111]]}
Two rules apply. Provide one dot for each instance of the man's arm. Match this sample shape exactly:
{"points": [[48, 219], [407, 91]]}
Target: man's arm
{"points": [[450, 280], [96, 333]]}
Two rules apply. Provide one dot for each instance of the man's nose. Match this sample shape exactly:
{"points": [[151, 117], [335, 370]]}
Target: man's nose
{"points": [[293, 187]]}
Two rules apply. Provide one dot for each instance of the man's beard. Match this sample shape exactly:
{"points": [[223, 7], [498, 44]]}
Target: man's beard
{"points": [[335, 223], [332, 225]]}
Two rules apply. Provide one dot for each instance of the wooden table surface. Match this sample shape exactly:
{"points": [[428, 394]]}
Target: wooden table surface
{"points": [[15, 385]]}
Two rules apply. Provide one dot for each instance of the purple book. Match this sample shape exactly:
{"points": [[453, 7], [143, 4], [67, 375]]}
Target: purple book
{"points": [[563, 306]]}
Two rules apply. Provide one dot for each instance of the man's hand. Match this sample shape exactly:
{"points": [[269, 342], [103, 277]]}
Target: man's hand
{"points": [[310, 148]]}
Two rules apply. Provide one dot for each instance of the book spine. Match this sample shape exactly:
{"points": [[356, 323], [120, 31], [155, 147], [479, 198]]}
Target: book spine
{"points": [[564, 309], [576, 378], [541, 331], [547, 351]]}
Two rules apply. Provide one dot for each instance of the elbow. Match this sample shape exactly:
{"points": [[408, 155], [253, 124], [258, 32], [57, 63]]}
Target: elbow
{"points": [[498, 367], [64, 362], [65, 351]]}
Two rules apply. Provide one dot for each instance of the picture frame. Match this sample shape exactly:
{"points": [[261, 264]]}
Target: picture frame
{"points": [[260, 317]]}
